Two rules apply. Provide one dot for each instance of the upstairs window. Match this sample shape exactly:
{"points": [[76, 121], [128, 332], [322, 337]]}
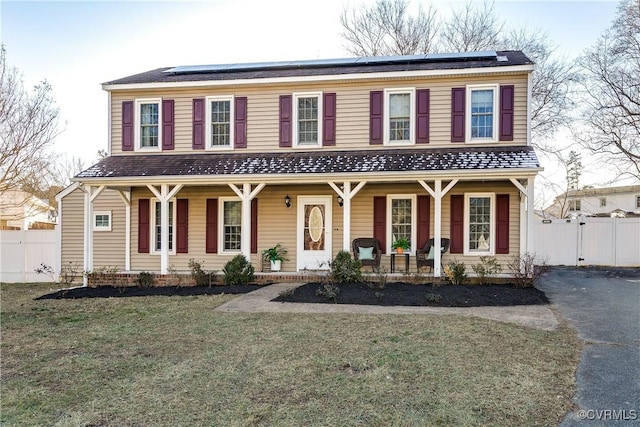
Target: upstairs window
{"points": [[637, 202], [574, 205], [148, 129], [307, 110], [603, 202], [220, 117], [482, 109], [400, 112]]}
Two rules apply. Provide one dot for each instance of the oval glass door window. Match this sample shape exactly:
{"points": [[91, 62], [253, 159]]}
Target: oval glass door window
{"points": [[316, 224]]}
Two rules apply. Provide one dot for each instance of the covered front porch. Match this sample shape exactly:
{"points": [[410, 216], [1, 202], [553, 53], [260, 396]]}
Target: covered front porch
{"points": [[169, 219]]}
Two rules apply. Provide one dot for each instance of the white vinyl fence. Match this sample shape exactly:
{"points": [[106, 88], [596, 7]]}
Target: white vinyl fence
{"points": [[589, 241], [22, 251]]}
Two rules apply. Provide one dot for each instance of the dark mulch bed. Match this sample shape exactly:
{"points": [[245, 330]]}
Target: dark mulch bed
{"points": [[136, 291], [423, 295]]}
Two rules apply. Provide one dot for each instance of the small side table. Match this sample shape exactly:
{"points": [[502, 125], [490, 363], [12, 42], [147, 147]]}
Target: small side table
{"points": [[393, 261]]}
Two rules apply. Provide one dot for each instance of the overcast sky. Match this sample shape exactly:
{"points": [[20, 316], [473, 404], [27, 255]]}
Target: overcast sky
{"points": [[77, 46]]}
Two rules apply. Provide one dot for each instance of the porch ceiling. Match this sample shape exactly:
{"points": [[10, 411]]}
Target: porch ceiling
{"points": [[380, 164]]}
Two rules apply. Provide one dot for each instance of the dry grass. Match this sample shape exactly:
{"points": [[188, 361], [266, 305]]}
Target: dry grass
{"points": [[173, 361]]}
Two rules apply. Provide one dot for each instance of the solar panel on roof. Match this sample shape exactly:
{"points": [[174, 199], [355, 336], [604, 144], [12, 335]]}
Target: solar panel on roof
{"points": [[335, 62]]}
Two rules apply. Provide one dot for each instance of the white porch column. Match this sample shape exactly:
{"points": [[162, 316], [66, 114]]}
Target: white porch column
{"points": [[246, 196], [164, 196], [89, 196], [530, 216], [88, 234], [347, 194], [525, 220], [437, 193], [126, 198]]}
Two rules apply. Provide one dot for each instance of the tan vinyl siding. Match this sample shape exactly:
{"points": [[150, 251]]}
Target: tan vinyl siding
{"points": [[72, 228], [352, 110], [109, 246]]}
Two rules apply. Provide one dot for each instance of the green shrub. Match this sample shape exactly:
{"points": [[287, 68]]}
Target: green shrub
{"points": [[328, 291], [487, 269], [238, 271], [345, 269], [455, 272], [200, 276], [144, 279]]}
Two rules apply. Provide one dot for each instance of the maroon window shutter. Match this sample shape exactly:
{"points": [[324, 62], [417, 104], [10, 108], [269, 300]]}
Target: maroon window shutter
{"points": [[506, 113], [375, 117], [211, 232], [457, 224], [127, 125], [168, 126], [380, 221], [182, 226], [422, 116], [240, 133], [502, 224], [198, 124], [423, 221], [254, 226], [285, 120], [329, 119], [143, 226], [457, 114]]}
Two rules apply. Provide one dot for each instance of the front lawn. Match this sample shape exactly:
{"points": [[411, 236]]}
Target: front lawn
{"points": [[173, 361]]}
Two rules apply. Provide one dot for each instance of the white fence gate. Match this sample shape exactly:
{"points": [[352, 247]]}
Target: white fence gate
{"points": [[22, 251], [589, 241]]}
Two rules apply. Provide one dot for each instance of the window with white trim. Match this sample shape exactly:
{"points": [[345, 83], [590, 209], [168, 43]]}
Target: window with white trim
{"points": [[603, 202], [307, 113], [479, 224], [220, 114], [401, 215], [574, 205], [231, 223], [637, 202], [482, 113], [156, 226], [148, 117], [102, 221], [399, 116]]}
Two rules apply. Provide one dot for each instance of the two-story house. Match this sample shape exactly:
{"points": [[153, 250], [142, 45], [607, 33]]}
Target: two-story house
{"points": [[207, 162], [609, 201]]}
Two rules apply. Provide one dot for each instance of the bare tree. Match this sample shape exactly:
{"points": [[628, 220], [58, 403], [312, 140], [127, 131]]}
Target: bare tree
{"points": [[552, 83], [379, 30], [387, 28], [54, 176], [28, 126], [611, 81], [471, 28]]}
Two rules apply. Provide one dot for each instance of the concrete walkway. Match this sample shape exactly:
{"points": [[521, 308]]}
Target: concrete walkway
{"points": [[533, 316]]}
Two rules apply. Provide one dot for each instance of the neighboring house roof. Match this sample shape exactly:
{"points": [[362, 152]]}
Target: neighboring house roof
{"points": [[588, 192], [252, 71], [323, 162]]}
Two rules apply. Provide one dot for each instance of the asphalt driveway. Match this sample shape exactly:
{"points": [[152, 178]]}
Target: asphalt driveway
{"points": [[604, 306]]}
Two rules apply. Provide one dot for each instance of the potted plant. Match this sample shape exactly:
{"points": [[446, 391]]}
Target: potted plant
{"points": [[400, 244], [275, 255]]}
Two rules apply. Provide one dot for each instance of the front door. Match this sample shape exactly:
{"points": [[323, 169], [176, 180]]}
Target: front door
{"points": [[314, 232]]}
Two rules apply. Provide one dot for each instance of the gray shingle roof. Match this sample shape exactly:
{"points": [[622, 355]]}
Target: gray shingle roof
{"points": [[402, 63], [379, 161]]}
